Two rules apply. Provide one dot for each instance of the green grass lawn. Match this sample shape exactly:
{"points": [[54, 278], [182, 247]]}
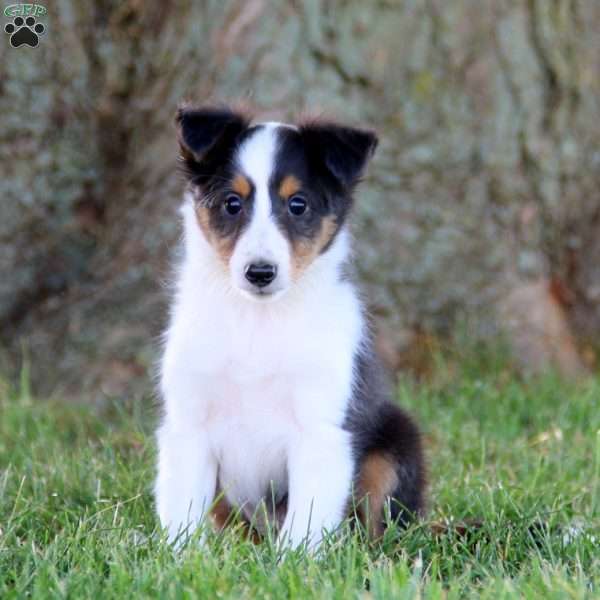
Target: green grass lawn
{"points": [[76, 513]]}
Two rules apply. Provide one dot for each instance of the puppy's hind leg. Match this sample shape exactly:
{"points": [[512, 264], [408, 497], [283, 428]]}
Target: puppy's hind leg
{"points": [[391, 469]]}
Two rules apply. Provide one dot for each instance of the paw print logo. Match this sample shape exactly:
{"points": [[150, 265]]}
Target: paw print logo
{"points": [[24, 31]]}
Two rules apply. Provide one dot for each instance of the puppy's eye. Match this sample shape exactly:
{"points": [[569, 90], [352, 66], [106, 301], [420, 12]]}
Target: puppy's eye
{"points": [[233, 204], [297, 205]]}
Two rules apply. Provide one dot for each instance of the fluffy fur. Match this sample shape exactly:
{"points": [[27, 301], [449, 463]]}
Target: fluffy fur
{"points": [[272, 399]]}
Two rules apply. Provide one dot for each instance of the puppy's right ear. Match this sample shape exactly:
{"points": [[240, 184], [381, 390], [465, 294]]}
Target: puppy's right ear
{"points": [[202, 131]]}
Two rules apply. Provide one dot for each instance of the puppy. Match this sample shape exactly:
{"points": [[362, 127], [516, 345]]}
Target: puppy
{"points": [[273, 404]]}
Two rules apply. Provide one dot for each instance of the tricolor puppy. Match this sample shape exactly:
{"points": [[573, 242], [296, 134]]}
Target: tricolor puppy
{"points": [[272, 396]]}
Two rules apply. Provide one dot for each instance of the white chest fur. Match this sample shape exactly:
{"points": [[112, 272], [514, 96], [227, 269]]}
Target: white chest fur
{"points": [[250, 427]]}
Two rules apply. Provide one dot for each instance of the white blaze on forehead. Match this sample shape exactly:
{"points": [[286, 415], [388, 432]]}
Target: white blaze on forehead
{"points": [[256, 158], [263, 240]]}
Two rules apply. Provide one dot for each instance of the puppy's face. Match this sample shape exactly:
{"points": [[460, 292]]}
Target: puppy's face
{"points": [[269, 198]]}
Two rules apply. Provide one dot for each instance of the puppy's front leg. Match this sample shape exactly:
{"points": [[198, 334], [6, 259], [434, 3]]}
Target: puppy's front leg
{"points": [[320, 469], [187, 479]]}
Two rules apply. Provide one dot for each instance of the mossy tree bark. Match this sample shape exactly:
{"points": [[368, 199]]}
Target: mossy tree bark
{"points": [[486, 184]]}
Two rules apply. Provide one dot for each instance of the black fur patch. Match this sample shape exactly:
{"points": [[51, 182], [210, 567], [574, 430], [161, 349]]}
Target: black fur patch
{"points": [[209, 138], [328, 160], [342, 151], [379, 426], [293, 158]]}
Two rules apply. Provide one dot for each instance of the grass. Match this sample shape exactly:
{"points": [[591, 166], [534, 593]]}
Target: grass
{"points": [[523, 457]]}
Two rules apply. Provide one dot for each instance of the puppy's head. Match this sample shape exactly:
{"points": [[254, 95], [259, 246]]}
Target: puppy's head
{"points": [[269, 198]]}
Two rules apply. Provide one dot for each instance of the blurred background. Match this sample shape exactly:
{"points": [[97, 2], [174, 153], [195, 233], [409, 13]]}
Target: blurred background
{"points": [[479, 220]]}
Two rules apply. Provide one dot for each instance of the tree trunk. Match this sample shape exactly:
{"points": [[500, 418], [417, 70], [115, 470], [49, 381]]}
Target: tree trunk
{"points": [[486, 183]]}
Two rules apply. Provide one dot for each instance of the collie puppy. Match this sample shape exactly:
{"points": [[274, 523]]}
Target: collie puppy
{"points": [[273, 403]]}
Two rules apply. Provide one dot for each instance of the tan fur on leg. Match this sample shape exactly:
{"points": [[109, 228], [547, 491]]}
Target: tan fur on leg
{"points": [[376, 482]]}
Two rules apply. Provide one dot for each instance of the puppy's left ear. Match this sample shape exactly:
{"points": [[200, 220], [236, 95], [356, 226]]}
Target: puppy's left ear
{"points": [[345, 151]]}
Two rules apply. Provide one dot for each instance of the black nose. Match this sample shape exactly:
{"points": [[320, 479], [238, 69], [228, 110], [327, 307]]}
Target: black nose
{"points": [[260, 274]]}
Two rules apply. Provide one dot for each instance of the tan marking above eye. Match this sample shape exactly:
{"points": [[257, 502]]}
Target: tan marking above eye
{"points": [[241, 186], [289, 186]]}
